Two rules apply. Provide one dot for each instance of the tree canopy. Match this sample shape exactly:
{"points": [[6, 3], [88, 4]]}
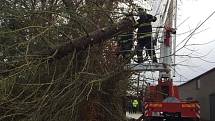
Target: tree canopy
{"points": [[55, 64]]}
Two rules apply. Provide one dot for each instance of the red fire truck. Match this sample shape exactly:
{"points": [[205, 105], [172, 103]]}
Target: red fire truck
{"points": [[162, 102]]}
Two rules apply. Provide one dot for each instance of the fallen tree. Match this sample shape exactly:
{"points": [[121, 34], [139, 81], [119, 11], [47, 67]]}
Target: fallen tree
{"points": [[79, 84], [95, 37]]}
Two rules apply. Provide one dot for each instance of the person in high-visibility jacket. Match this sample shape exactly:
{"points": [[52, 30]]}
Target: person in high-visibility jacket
{"points": [[144, 35], [135, 105]]}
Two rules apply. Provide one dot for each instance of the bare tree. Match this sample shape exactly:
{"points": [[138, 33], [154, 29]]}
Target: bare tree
{"points": [[59, 62]]}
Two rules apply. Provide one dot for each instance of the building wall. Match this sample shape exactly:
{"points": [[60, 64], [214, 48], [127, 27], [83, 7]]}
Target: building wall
{"points": [[200, 92], [212, 107], [188, 90]]}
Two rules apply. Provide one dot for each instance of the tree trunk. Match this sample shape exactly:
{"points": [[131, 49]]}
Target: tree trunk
{"points": [[94, 38]]}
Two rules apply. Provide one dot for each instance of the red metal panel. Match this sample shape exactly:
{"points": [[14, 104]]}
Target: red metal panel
{"points": [[176, 92], [186, 112], [164, 89]]}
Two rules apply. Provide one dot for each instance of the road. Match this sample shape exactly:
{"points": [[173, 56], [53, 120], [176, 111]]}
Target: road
{"points": [[134, 115]]}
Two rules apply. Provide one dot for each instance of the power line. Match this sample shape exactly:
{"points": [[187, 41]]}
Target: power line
{"points": [[191, 34]]}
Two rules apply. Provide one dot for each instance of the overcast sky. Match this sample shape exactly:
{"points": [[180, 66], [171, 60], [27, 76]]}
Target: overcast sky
{"points": [[193, 13]]}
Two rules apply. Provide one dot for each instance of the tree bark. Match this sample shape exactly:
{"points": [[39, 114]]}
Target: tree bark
{"points": [[95, 37]]}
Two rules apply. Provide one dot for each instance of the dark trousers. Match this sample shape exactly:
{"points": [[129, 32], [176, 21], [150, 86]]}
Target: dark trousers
{"points": [[130, 109], [125, 49], [145, 43], [134, 109]]}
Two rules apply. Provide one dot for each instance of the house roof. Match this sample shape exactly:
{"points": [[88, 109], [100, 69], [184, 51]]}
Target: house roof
{"points": [[211, 70]]}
